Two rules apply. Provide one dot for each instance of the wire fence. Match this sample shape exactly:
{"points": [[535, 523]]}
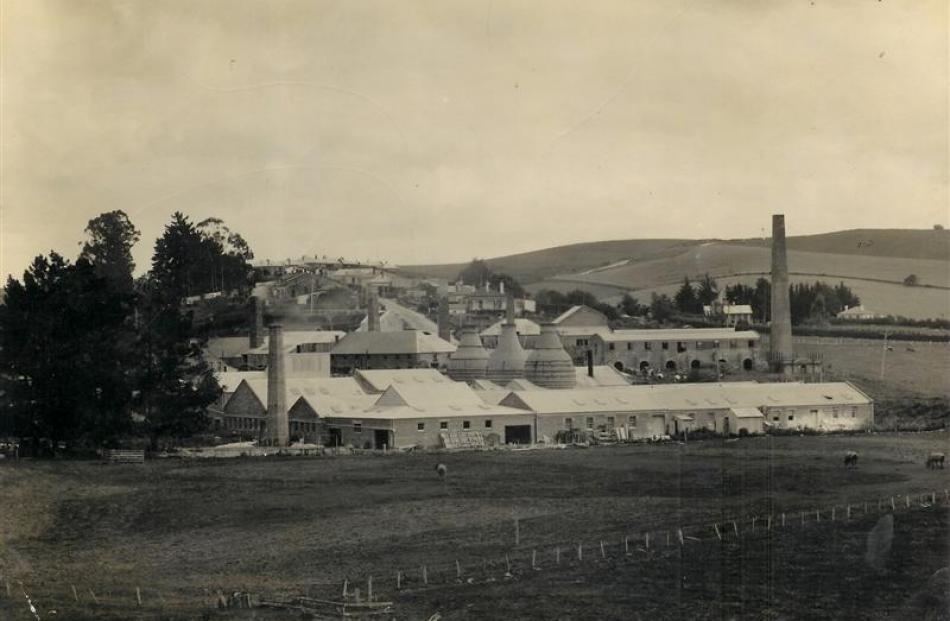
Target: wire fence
{"points": [[610, 546]]}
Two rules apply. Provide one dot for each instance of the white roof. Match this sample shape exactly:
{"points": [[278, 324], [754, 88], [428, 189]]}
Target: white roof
{"points": [[604, 375], [747, 413], [407, 412], [524, 327], [230, 380], [680, 334], [583, 400], [450, 393], [381, 379], [326, 395]]}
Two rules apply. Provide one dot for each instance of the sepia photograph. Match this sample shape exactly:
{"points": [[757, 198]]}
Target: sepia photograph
{"points": [[444, 310]]}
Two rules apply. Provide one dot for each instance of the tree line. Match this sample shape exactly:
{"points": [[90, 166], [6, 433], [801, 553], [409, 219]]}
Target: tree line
{"points": [[91, 354]]}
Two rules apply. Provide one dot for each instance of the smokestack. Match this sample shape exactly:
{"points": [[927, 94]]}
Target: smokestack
{"points": [[510, 309], [590, 363], [781, 355], [255, 321], [445, 328], [278, 429], [372, 312]]}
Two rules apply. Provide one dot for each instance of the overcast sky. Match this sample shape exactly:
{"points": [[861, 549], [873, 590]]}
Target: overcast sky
{"points": [[435, 131]]}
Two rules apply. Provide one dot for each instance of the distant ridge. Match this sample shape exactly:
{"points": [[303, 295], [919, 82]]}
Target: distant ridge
{"points": [[538, 265]]}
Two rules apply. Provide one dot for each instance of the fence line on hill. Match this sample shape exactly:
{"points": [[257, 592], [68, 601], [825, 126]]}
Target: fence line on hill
{"points": [[627, 545]]}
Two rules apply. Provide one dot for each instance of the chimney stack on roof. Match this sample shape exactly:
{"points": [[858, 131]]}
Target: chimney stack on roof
{"points": [[278, 430], [781, 356], [590, 363]]}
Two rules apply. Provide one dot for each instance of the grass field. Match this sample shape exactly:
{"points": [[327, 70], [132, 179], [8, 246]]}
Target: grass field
{"points": [[182, 530]]}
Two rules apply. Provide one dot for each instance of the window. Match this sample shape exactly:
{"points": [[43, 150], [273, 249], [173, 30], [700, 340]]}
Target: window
{"points": [[854, 411], [680, 346], [569, 422], [700, 345], [611, 347], [648, 346], [466, 424], [421, 426], [733, 344], [666, 345], [834, 412], [610, 421], [632, 421], [444, 424], [357, 427], [590, 422], [775, 418], [751, 344], [629, 346], [791, 417], [488, 423], [582, 342]]}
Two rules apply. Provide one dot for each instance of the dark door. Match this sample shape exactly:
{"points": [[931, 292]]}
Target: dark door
{"points": [[517, 434], [381, 437], [336, 437]]}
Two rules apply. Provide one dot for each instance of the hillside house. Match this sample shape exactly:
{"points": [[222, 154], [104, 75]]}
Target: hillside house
{"points": [[404, 349]]}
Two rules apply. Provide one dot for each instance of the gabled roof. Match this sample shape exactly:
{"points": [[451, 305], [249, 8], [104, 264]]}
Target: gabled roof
{"points": [[378, 380], [582, 400], [440, 412], [575, 309], [450, 394], [604, 375], [230, 380], [325, 395], [399, 342], [524, 327]]}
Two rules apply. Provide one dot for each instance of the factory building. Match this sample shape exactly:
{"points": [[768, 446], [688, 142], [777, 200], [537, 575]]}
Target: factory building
{"points": [[408, 415], [403, 349], [676, 349]]}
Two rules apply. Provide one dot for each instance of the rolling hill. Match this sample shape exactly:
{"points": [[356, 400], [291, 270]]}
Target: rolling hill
{"points": [[873, 262]]}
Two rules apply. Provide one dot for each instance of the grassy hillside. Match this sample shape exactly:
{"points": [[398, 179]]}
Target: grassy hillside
{"points": [[575, 260], [905, 243], [533, 266]]}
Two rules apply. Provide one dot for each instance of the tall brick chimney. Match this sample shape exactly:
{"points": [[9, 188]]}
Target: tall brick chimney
{"points": [[278, 428], [255, 322], [372, 312], [445, 327], [781, 355]]}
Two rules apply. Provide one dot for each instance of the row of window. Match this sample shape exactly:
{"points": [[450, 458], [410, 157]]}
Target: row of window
{"points": [[303, 427], [611, 421], [444, 424]]}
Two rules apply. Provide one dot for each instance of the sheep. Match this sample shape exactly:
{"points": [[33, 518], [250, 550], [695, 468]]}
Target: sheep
{"points": [[935, 460], [442, 470], [851, 459]]}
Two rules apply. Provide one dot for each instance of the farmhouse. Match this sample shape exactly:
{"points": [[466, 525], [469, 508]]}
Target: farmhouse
{"points": [[404, 349]]}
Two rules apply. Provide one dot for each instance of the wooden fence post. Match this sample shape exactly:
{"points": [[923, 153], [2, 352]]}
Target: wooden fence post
{"points": [[557, 555], [534, 559], [753, 524], [94, 598], [580, 552], [398, 580], [138, 596], [803, 519], [458, 570], [75, 594], [369, 589], [626, 545], [893, 507], [832, 514], [907, 500], [817, 515], [783, 520], [718, 534], [768, 522], [425, 575], [517, 533], [735, 527], [667, 537], [507, 564], [646, 539], [345, 584], [679, 532], [603, 554]]}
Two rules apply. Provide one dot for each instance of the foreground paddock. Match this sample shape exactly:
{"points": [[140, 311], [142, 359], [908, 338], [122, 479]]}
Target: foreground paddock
{"points": [[181, 530]]}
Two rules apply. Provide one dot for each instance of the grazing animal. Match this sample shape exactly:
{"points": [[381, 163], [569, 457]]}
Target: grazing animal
{"points": [[851, 459], [442, 470], [935, 460]]}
